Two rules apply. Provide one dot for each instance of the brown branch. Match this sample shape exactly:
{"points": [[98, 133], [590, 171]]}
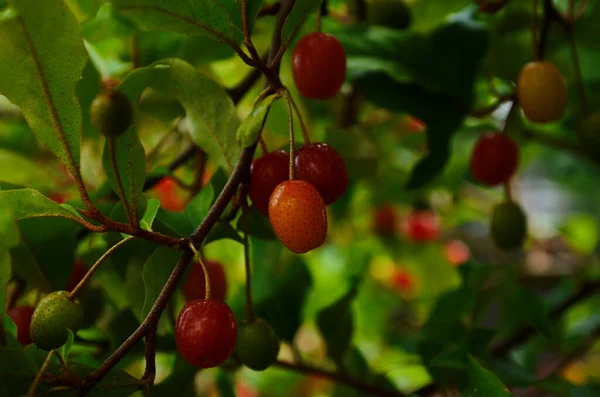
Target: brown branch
{"points": [[150, 356], [269, 9], [341, 378]]}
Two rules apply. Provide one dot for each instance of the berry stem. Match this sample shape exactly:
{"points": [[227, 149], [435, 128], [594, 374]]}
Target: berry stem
{"points": [[198, 257], [85, 278], [292, 143], [41, 372], [131, 213], [249, 313], [302, 124], [263, 145], [534, 43], [319, 21]]}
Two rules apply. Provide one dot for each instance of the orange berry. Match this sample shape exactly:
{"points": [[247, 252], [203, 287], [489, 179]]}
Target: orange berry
{"points": [[298, 216], [542, 92]]}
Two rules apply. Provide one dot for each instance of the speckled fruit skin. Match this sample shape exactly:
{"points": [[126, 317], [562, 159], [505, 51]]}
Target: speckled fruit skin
{"points": [[205, 333], [495, 159], [257, 344], [266, 173], [542, 92], [111, 113], [51, 319], [509, 226], [195, 286], [297, 214], [324, 168], [21, 316], [385, 220], [319, 65], [422, 226]]}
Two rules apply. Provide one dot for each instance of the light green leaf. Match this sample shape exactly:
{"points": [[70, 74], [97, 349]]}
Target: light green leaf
{"points": [[156, 271], [483, 383], [220, 19], [252, 126], [20, 170], [40, 66], [301, 11], [29, 203], [150, 214], [197, 209]]}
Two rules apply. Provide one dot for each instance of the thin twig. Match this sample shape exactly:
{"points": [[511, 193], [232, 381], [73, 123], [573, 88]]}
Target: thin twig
{"points": [[534, 42], [38, 376], [292, 170], [207, 283], [150, 357], [302, 124], [263, 145]]}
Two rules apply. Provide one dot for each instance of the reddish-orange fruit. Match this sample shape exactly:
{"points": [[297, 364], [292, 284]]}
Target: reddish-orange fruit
{"points": [[402, 281], [457, 252], [167, 194], [298, 216]]}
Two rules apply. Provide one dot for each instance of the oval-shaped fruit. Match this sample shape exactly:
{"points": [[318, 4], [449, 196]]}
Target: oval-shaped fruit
{"points": [[77, 274], [266, 173], [205, 333], [195, 286], [21, 316], [542, 92], [421, 226], [257, 344], [509, 226], [297, 214], [589, 134], [111, 113], [385, 220], [52, 317], [322, 166], [495, 159], [319, 65]]}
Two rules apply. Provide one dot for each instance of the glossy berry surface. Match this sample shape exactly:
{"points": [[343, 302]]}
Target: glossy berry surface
{"points": [[297, 214], [495, 159], [205, 333], [52, 317], [266, 173], [21, 316], [421, 226], [77, 274], [319, 65], [195, 286], [509, 226], [322, 166], [542, 92], [257, 344], [385, 220], [111, 113]]}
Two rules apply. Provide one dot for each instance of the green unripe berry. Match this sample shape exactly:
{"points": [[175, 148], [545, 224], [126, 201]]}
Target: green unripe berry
{"points": [[52, 317], [509, 226], [589, 134], [111, 113], [257, 344]]}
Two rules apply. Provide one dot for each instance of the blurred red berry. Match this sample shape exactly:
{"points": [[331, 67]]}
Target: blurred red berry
{"points": [[167, 194], [385, 220], [21, 316], [402, 280], [457, 252], [421, 226]]}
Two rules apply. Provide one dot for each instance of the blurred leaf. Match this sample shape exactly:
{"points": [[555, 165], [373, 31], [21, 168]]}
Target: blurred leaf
{"points": [[197, 209], [358, 151], [300, 11], [29, 203], [84, 9], [221, 21], [39, 70], [336, 324], [87, 89], [258, 225], [181, 379], [528, 307], [20, 170], [157, 270], [65, 350], [223, 231], [483, 383], [225, 385], [253, 124], [17, 371], [5, 274], [177, 223]]}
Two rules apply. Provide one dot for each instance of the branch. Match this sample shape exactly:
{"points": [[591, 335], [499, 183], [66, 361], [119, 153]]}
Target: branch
{"points": [[344, 379], [269, 9]]}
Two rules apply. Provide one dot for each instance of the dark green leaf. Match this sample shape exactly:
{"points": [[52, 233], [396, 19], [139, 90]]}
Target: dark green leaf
{"points": [[483, 383], [253, 124], [17, 371], [39, 70], [181, 379], [197, 209], [225, 385], [223, 231], [258, 225], [301, 11], [177, 223]]}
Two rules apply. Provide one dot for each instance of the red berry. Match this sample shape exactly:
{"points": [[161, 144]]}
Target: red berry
{"points": [[319, 65], [58, 197], [195, 287], [77, 274], [457, 252], [21, 316], [422, 226], [324, 168], [298, 216], [385, 220], [495, 159], [166, 191], [402, 281], [266, 173], [205, 333]]}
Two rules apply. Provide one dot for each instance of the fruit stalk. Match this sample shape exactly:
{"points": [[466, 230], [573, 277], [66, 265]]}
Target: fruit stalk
{"points": [[249, 313], [41, 372], [198, 257], [292, 171]]}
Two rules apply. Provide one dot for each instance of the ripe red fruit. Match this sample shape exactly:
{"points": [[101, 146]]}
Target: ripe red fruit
{"points": [[495, 159], [319, 65], [297, 214], [205, 333], [457, 252], [402, 281], [421, 226], [166, 191], [58, 197], [195, 287], [385, 220], [266, 173], [21, 316], [77, 274], [324, 168]]}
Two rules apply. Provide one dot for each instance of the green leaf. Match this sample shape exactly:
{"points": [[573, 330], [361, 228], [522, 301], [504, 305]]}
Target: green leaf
{"points": [[29, 203], [211, 115], [177, 223], [20, 170], [257, 224], [483, 383], [530, 308], [336, 324], [197, 209], [150, 214], [220, 20], [223, 231], [301, 11], [181, 379], [253, 124], [157, 270], [40, 66], [65, 350], [17, 371], [225, 385]]}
